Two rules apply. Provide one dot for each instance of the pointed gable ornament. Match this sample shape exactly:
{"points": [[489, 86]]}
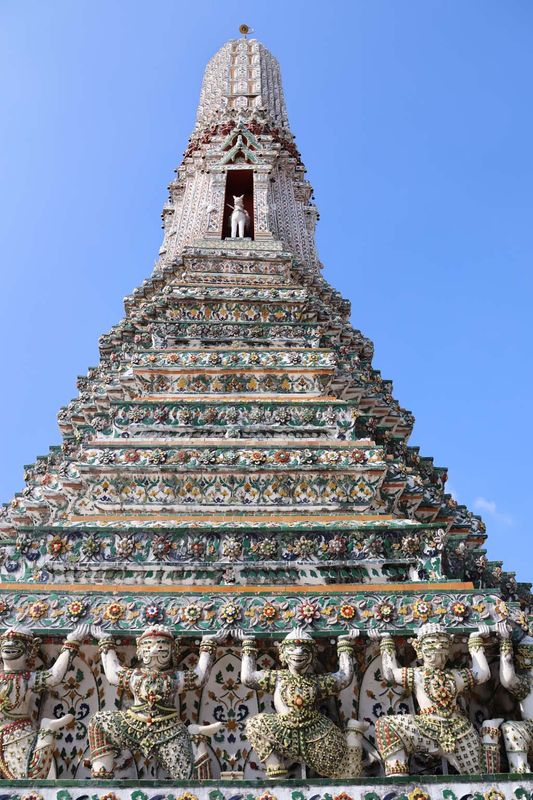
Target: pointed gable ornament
{"points": [[240, 140]]}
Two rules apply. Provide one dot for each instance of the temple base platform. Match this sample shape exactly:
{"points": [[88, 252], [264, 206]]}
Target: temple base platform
{"points": [[424, 787]]}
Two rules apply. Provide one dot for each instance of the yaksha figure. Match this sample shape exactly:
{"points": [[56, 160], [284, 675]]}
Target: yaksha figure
{"points": [[25, 751], [517, 736], [298, 732], [152, 724], [440, 728]]}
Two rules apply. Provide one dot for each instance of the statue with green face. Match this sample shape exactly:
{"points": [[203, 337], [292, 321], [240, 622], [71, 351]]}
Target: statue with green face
{"points": [[298, 731]]}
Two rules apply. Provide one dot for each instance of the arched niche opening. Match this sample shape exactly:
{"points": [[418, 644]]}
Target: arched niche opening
{"points": [[238, 182]]}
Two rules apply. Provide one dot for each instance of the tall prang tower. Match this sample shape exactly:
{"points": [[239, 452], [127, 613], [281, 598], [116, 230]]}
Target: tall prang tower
{"points": [[235, 462]]}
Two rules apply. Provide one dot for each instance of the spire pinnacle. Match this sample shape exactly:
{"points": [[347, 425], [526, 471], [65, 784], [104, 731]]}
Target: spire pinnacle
{"points": [[243, 78]]}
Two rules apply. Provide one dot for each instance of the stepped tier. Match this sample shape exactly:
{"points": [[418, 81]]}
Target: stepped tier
{"points": [[311, 381], [237, 548], [294, 417]]}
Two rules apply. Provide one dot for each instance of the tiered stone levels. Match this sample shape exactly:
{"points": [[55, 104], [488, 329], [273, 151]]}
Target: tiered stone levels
{"points": [[233, 402]]}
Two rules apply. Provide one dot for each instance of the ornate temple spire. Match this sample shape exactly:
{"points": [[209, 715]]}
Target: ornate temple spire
{"points": [[235, 387], [234, 466], [241, 146]]}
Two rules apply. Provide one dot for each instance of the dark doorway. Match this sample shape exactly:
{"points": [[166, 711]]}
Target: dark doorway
{"points": [[238, 181]]}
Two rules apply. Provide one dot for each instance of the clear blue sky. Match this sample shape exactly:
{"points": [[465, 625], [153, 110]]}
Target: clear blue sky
{"points": [[415, 121]]}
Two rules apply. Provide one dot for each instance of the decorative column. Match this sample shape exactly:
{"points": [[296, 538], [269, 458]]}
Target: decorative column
{"points": [[215, 212], [261, 219]]}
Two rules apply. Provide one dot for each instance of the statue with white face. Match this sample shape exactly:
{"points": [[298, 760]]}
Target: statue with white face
{"points": [[155, 652], [152, 724], [25, 751], [298, 731], [440, 728]]}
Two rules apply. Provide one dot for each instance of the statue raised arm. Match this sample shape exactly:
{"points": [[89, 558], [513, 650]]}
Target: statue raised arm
{"points": [[25, 750], [298, 731], [152, 724], [440, 728]]}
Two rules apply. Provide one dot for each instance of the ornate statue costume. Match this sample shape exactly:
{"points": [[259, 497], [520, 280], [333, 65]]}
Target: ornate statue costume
{"points": [[440, 727], [26, 752], [152, 725], [299, 731], [518, 734]]}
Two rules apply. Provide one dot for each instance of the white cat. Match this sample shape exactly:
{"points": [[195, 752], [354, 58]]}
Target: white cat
{"points": [[240, 218]]}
